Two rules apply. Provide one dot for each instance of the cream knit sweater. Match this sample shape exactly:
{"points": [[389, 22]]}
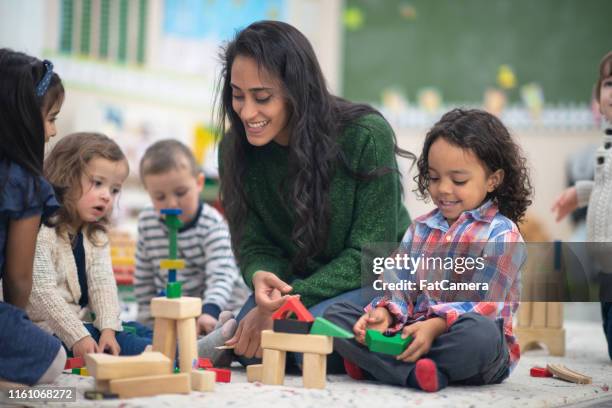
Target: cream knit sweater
{"points": [[54, 301], [598, 195]]}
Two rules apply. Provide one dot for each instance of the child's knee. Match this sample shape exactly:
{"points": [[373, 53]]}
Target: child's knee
{"points": [[483, 336], [55, 368]]}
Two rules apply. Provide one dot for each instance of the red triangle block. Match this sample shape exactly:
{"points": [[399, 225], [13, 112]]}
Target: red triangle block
{"points": [[293, 305]]}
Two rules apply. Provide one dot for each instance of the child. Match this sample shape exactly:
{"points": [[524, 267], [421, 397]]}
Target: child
{"points": [[31, 96], [169, 172], [597, 194], [474, 173], [74, 293]]}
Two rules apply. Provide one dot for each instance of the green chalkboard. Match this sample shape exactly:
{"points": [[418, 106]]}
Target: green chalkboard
{"points": [[457, 46]]}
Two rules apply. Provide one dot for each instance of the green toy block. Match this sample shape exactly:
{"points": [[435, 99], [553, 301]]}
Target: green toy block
{"points": [[380, 343], [326, 328], [173, 290], [76, 371]]}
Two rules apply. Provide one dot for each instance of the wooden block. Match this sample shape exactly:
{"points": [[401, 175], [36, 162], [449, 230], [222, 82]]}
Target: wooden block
{"points": [[559, 370], [152, 385], [293, 305], [187, 345], [291, 326], [202, 380], [109, 367], [529, 337], [538, 314], [84, 372], [554, 315], [393, 345], [74, 362], [102, 385], [273, 367], [172, 264], [204, 363], [164, 337], [300, 343], [326, 328], [314, 369], [524, 315], [180, 308], [254, 372]]}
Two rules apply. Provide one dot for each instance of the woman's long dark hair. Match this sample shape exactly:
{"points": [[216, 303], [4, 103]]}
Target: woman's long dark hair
{"points": [[22, 132], [487, 137], [316, 119]]}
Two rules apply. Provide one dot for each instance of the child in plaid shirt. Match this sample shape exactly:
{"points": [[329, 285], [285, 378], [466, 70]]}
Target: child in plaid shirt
{"points": [[477, 178]]}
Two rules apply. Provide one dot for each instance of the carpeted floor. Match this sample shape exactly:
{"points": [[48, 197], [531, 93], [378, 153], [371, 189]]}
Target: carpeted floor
{"points": [[586, 353]]}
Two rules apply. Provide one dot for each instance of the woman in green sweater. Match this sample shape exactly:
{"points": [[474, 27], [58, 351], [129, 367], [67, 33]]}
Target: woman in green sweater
{"points": [[307, 178]]}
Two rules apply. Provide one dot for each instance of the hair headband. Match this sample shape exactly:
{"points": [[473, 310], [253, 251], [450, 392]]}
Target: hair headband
{"points": [[43, 85]]}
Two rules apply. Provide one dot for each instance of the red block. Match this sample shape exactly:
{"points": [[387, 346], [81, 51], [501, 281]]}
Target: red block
{"points": [[293, 305], [204, 363], [223, 375], [75, 362], [540, 372]]}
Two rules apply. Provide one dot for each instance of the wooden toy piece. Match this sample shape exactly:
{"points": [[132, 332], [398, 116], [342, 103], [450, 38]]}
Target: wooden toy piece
{"points": [[204, 363], [174, 290], [173, 223], [100, 395], [221, 374], [314, 368], [326, 328], [291, 326], [172, 264], [540, 372], [273, 366], [202, 380], [76, 371], [171, 211], [530, 337], [300, 343], [152, 385], [84, 372], [187, 345], [393, 345], [559, 370], [109, 367], [74, 362], [254, 372], [164, 337], [176, 309], [102, 385], [293, 305]]}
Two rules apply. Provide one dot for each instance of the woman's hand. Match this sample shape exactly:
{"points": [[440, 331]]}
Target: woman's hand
{"points": [[269, 290], [84, 346], [247, 339], [108, 341]]}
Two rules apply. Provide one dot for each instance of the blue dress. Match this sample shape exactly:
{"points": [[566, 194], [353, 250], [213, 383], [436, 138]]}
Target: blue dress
{"points": [[26, 351]]}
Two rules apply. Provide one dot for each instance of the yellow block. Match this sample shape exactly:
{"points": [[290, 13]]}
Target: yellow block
{"points": [[122, 261], [109, 367], [151, 385], [172, 264]]}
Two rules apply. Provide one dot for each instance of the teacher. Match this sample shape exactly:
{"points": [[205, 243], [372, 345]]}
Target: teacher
{"points": [[307, 178]]}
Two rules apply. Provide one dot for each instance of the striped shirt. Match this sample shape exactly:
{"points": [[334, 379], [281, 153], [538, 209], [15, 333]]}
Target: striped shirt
{"points": [[490, 236], [210, 269]]}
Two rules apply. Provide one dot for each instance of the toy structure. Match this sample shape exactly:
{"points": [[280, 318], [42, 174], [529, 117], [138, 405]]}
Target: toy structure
{"points": [[541, 322], [152, 373], [315, 346], [123, 249]]}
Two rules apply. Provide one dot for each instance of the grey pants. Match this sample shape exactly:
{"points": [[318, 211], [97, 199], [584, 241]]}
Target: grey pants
{"points": [[473, 351]]}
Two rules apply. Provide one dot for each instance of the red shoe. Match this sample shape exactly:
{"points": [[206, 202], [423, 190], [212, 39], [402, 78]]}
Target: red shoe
{"points": [[426, 373], [353, 370]]}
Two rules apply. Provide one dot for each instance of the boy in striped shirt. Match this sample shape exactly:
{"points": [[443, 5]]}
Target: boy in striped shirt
{"points": [[170, 174]]}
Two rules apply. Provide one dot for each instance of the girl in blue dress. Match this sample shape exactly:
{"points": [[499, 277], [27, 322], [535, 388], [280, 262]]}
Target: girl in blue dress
{"points": [[31, 96]]}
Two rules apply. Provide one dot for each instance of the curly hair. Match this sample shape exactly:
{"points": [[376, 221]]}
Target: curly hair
{"points": [[316, 119], [64, 167], [487, 137]]}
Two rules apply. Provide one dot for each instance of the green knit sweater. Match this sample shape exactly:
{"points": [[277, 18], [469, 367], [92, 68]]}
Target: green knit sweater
{"points": [[362, 212]]}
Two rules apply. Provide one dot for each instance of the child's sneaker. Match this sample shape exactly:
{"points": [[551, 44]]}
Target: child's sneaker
{"points": [[428, 377], [353, 370]]}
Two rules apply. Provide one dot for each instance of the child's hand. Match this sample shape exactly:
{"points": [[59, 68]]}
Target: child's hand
{"points": [[378, 319], [206, 324], [84, 346], [108, 342], [565, 203], [423, 334]]}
